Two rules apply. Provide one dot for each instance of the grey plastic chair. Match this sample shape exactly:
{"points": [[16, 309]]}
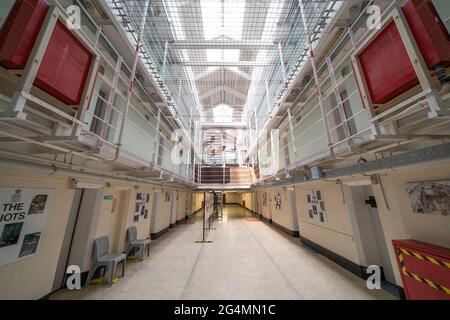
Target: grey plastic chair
{"points": [[104, 259], [133, 242]]}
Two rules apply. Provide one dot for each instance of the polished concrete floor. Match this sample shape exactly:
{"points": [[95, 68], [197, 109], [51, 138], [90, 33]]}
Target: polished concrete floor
{"points": [[246, 260]]}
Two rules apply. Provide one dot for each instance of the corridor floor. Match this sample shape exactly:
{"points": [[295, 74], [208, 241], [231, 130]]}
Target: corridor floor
{"points": [[247, 260]]}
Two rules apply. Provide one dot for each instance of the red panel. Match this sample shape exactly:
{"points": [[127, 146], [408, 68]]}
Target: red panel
{"points": [[386, 66], [65, 66], [20, 31], [430, 34], [416, 290]]}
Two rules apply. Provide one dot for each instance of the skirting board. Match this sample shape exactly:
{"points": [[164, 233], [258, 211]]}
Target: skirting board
{"points": [[158, 234], [266, 219], [354, 268], [292, 233], [182, 220]]}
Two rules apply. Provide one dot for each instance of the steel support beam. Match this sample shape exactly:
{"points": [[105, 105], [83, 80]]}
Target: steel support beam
{"points": [[222, 44], [221, 64], [227, 89]]}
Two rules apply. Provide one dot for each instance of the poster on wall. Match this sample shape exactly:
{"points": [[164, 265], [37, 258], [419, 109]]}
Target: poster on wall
{"points": [[264, 199], [277, 201], [142, 206], [316, 206], [429, 197], [23, 215], [209, 204]]}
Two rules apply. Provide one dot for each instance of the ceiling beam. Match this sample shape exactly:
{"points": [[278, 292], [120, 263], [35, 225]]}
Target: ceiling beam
{"points": [[221, 64], [227, 89], [224, 125], [238, 72], [222, 44]]}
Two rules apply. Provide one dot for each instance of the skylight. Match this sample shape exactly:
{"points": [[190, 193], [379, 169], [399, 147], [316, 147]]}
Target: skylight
{"points": [[208, 56], [223, 113], [222, 18]]}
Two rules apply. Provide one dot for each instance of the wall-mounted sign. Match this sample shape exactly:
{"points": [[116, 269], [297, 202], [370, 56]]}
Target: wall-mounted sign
{"points": [[108, 197], [141, 207], [23, 215], [429, 197], [316, 206]]}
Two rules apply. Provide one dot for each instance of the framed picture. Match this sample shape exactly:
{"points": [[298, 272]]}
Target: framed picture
{"points": [[29, 244], [10, 234], [429, 197], [38, 204]]}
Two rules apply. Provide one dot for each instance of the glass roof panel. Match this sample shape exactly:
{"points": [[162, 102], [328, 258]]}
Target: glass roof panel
{"points": [[239, 53]]}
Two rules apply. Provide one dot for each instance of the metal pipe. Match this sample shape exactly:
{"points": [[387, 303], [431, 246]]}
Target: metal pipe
{"points": [[319, 93], [48, 145], [59, 168]]}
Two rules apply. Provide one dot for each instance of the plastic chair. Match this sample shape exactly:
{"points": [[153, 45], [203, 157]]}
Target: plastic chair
{"points": [[104, 259], [134, 242]]}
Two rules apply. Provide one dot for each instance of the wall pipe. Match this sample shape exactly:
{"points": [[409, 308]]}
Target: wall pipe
{"points": [[53, 167]]}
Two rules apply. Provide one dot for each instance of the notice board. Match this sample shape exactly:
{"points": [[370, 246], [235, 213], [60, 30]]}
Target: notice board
{"points": [[23, 215]]}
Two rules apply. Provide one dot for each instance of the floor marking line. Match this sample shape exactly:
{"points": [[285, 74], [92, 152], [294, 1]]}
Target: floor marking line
{"points": [[275, 264], [194, 266]]}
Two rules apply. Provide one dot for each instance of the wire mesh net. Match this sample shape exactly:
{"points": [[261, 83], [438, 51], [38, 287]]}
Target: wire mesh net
{"points": [[238, 53]]}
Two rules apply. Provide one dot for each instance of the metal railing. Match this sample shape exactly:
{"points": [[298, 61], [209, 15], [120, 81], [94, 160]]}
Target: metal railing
{"points": [[329, 118]]}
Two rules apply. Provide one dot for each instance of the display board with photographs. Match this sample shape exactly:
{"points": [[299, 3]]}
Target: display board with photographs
{"points": [[23, 215], [264, 199], [316, 206], [142, 206], [429, 197], [209, 204], [277, 199]]}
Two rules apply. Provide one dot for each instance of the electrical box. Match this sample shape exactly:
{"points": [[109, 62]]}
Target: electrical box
{"points": [[316, 173], [424, 268]]}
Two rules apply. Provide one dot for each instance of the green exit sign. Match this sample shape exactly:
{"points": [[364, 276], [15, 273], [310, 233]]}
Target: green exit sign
{"points": [[107, 197]]}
